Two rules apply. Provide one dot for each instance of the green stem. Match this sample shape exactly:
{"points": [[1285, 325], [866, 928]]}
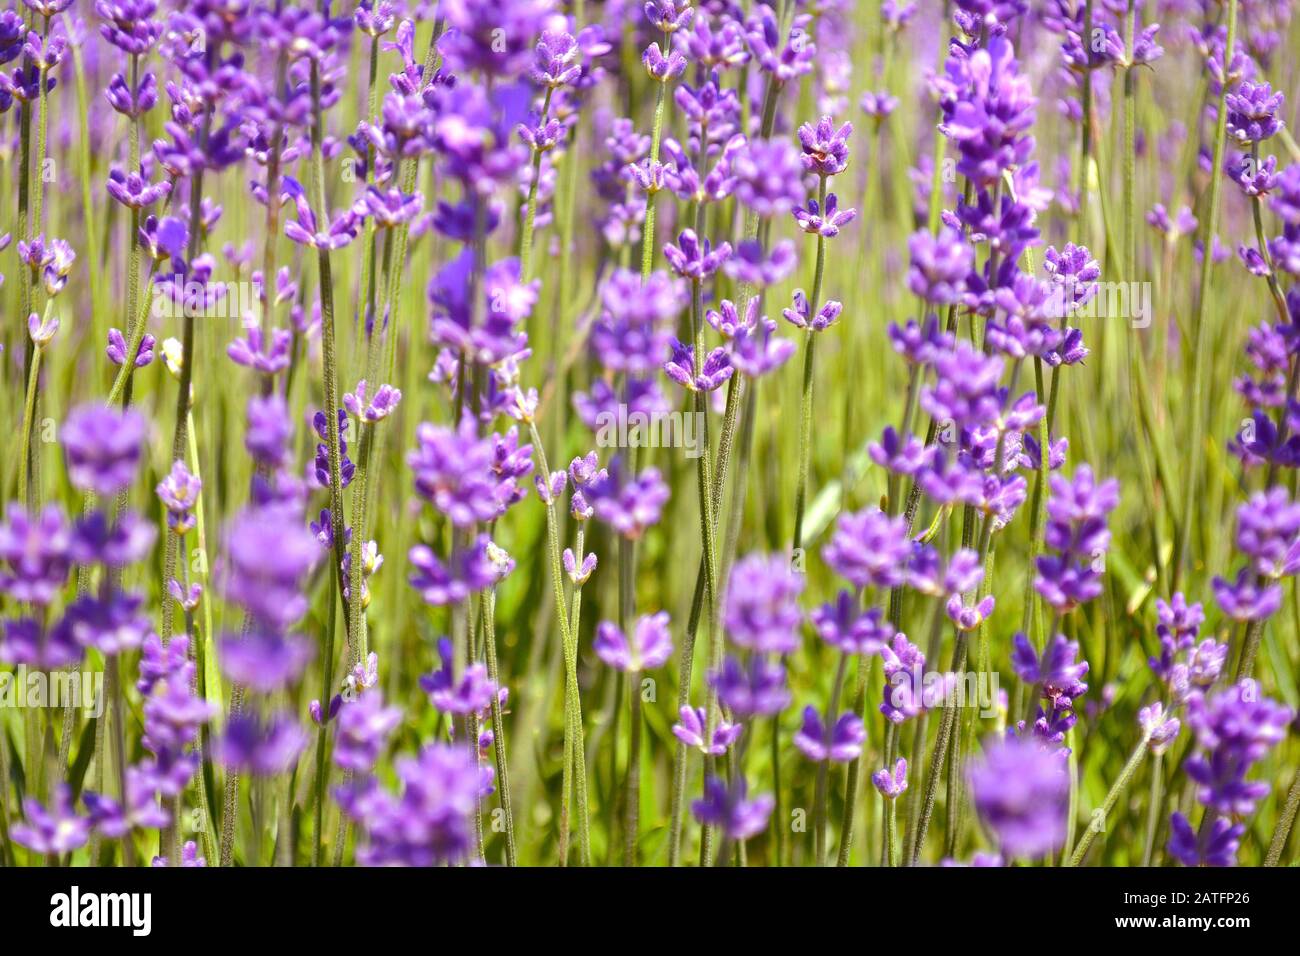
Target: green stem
{"points": [[573, 729], [1201, 334], [1098, 821], [530, 217]]}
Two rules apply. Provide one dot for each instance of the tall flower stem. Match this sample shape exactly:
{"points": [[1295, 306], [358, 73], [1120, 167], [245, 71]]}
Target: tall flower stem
{"points": [[117, 701], [1285, 821], [1117, 788], [632, 796], [940, 752], [26, 493], [824, 766], [1201, 332], [329, 359], [575, 776], [179, 436], [1153, 807], [530, 215], [656, 136], [738, 390], [806, 392], [708, 536], [488, 617]]}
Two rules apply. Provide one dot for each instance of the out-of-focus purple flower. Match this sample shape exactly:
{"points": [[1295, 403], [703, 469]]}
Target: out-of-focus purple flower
{"points": [[266, 661], [869, 549], [262, 748], [24, 641], [53, 831], [269, 556], [1056, 668], [768, 177], [841, 743], [479, 565], [111, 625], [843, 626], [364, 727], [752, 690], [1234, 729], [35, 554], [758, 265], [736, 817], [1244, 599], [429, 823], [647, 647], [453, 472], [760, 608], [1020, 791], [628, 504], [269, 430], [103, 448]]}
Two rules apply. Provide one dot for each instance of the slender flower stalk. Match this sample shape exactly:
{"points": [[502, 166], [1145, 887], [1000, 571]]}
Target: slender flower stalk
{"points": [[1200, 323], [1116, 790], [575, 777]]}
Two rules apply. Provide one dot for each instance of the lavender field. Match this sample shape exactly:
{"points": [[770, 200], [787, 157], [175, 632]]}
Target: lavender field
{"points": [[565, 433]]}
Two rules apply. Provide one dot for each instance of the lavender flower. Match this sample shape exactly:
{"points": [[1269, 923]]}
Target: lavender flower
{"points": [[1020, 792]]}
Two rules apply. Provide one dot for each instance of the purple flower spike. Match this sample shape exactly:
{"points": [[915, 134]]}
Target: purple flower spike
{"points": [[827, 222], [825, 148], [1159, 729], [692, 730], [940, 265], [1253, 110], [891, 785], [379, 406], [649, 646], [1055, 669], [628, 505], [756, 350], [467, 694], [694, 258], [1219, 847], [680, 368], [116, 350], [841, 744]]}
